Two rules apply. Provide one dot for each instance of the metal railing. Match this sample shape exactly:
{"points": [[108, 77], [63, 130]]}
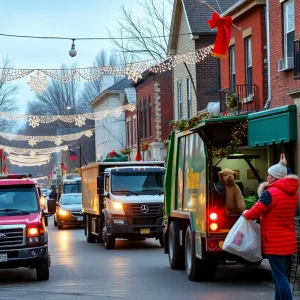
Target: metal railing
{"points": [[297, 59], [246, 95]]}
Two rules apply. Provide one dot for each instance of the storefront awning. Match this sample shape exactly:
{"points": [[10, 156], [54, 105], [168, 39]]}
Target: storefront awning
{"points": [[274, 126]]}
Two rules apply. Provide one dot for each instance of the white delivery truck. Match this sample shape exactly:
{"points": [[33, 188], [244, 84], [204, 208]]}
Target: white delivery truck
{"points": [[122, 200]]}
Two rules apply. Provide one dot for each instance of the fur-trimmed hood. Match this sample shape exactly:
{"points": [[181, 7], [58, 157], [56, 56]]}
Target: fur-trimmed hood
{"points": [[289, 184]]}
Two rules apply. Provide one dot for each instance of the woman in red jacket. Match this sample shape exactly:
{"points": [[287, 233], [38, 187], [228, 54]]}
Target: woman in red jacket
{"points": [[276, 208]]}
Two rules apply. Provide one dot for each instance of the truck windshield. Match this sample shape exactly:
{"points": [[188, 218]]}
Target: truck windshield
{"points": [[18, 199], [137, 182], [72, 188]]}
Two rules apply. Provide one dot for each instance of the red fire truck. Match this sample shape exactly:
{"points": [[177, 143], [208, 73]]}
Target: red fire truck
{"points": [[23, 236]]}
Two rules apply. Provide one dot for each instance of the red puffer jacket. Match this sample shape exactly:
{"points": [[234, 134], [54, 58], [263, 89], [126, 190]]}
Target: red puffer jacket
{"points": [[277, 208]]}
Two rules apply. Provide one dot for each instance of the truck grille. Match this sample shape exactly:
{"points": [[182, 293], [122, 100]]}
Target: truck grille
{"points": [[12, 236], [143, 210]]}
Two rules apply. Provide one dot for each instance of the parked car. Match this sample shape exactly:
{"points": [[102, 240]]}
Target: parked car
{"points": [[69, 210]]}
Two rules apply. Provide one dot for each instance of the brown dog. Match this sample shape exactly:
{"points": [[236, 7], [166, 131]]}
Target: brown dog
{"points": [[235, 202]]}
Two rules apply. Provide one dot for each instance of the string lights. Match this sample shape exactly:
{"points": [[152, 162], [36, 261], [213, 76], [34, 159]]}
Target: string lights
{"points": [[33, 140], [132, 70], [33, 152], [78, 119], [28, 159], [31, 164]]}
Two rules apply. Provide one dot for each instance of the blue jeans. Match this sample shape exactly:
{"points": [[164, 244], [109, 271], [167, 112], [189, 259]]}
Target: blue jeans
{"points": [[279, 265]]}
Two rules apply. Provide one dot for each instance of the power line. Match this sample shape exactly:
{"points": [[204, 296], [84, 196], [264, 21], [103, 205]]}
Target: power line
{"points": [[90, 38]]}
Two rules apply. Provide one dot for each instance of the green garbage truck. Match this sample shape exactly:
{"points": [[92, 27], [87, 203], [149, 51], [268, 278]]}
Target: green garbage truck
{"points": [[195, 225]]}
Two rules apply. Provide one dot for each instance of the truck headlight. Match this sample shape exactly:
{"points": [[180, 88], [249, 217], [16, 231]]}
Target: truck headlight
{"points": [[118, 205], [63, 212]]}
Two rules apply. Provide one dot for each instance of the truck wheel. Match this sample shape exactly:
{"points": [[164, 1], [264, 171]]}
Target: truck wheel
{"points": [[192, 265], [42, 270], [176, 251], [197, 269], [108, 240], [90, 238]]}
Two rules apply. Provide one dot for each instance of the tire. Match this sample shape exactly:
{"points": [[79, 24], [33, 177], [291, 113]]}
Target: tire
{"points": [[90, 238], [197, 269], [175, 250], [54, 222], [42, 269], [108, 240]]}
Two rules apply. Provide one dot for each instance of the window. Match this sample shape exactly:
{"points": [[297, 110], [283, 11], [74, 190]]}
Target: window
{"points": [[134, 131], [248, 50], [189, 96], [145, 118], [150, 116], [232, 68], [128, 133], [179, 100], [289, 28], [141, 121]]}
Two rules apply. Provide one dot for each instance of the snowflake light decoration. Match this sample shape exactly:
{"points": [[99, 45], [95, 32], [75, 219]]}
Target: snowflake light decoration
{"points": [[38, 83], [89, 133], [32, 141], [133, 73], [80, 120], [34, 121], [58, 141]]}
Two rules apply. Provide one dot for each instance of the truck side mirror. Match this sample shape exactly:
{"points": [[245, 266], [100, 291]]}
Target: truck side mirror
{"points": [[100, 184]]}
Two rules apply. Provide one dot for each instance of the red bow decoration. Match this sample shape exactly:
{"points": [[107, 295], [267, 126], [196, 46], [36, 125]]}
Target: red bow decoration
{"points": [[223, 35], [112, 154]]}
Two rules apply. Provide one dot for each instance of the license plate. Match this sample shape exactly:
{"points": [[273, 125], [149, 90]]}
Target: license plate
{"points": [[79, 219], [145, 231], [3, 257]]}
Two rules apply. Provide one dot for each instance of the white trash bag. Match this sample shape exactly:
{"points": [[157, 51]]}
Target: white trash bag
{"points": [[244, 240]]}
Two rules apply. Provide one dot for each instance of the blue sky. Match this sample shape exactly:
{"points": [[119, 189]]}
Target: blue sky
{"points": [[64, 18]]}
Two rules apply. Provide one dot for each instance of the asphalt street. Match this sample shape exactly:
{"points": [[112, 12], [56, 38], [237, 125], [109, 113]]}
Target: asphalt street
{"points": [[133, 270]]}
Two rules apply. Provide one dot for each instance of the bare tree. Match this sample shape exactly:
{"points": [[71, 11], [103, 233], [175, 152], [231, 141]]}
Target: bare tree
{"points": [[147, 37], [92, 89], [8, 92]]}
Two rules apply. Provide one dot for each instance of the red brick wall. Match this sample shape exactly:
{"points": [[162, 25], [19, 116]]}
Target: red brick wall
{"points": [[166, 101], [146, 89], [208, 75], [281, 82], [255, 18]]}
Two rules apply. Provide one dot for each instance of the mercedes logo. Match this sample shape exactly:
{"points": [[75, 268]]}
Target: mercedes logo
{"points": [[144, 209], [2, 236]]}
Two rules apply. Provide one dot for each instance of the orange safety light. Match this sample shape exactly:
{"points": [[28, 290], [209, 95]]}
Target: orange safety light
{"points": [[213, 226]]}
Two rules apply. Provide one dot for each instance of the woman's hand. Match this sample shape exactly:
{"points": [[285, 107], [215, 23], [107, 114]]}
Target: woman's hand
{"points": [[243, 214]]}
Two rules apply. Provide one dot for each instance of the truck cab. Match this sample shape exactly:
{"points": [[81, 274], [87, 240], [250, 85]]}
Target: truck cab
{"points": [[23, 236], [123, 201]]}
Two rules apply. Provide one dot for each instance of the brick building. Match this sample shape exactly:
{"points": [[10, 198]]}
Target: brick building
{"points": [[195, 85], [154, 111], [284, 29], [244, 71]]}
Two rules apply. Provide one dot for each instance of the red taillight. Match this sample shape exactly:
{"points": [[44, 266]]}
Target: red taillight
{"points": [[212, 244], [213, 216]]}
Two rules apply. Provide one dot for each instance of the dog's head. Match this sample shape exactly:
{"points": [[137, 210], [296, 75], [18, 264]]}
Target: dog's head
{"points": [[227, 176]]}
